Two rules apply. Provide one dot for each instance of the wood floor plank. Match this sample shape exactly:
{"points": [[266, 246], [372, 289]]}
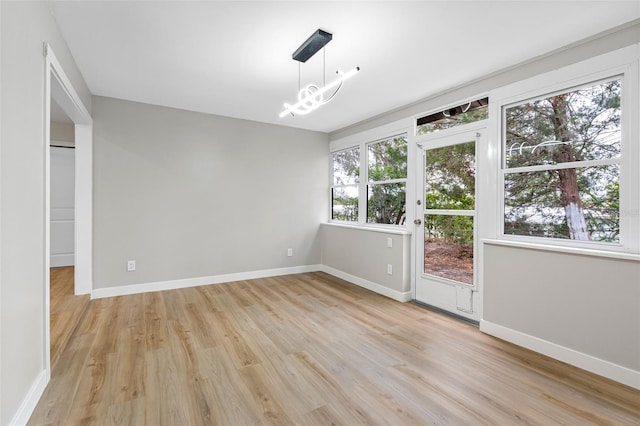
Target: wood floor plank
{"points": [[66, 309], [308, 349], [131, 412], [228, 394]]}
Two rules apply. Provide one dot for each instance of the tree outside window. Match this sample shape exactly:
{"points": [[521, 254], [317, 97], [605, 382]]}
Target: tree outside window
{"points": [[385, 168], [344, 189], [562, 158], [387, 173]]}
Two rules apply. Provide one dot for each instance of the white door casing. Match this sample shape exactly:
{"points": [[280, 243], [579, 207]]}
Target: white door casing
{"points": [[59, 88], [462, 299]]}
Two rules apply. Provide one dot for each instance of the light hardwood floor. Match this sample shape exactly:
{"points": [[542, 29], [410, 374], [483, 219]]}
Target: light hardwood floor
{"points": [[308, 349], [66, 309]]}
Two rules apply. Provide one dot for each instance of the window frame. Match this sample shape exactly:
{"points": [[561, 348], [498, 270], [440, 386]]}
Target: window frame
{"points": [[362, 141], [612, 66], [332, 185], [369, 183]]}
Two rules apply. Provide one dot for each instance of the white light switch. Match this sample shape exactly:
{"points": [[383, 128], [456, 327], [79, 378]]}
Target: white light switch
{"points": [[389, 242]]}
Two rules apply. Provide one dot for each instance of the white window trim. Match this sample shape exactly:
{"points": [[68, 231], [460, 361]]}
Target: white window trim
{"points": [[452, 104], [348, 185], [623, 63], [365, 167], [362, 140]]}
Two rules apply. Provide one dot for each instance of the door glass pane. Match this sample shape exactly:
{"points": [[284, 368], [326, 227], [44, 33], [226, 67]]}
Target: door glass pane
{"points": [[448, 247], [450, 181], [451, 177]]}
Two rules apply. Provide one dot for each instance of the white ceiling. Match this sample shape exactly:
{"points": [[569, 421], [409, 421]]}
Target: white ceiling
{"points": [[234, 58]]}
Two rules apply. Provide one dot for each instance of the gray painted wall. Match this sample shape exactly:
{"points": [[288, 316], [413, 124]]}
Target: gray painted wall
{"points": [[585, 303], [24, 27], [192, 195], [62, 132], [363, 253]]}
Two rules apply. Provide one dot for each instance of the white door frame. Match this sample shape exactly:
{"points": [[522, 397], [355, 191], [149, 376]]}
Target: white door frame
{"points": [[58, 87], [436, 140]]}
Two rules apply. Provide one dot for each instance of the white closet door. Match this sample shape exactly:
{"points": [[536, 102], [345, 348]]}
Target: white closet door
{"points": [[62, 206]]}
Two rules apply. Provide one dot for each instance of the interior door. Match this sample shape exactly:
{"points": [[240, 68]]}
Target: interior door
{"points": [[62, 217], [446, 223]]}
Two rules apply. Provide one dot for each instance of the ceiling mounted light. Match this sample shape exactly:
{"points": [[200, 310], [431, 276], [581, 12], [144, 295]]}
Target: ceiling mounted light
{"points": [[311, 96], [313, 44]]}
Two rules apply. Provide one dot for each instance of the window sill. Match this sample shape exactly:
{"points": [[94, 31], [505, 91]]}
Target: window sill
{"points": [[563, 249], [372, 228]]}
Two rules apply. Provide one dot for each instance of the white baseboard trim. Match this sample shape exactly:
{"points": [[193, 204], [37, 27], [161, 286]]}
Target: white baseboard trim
{"points": [[99, 293], [369, 285], [30, 400], [590, 363]]}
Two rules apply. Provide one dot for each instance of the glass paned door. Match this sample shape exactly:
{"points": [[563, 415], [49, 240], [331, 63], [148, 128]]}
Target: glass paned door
{"points": [[446, 243]]}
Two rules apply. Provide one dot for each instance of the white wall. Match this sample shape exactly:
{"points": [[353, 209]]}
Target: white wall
{"points": [[24, 27], [189, 195]]}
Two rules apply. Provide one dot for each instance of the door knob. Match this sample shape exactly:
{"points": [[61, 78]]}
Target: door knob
{"points": [[417, 221]]}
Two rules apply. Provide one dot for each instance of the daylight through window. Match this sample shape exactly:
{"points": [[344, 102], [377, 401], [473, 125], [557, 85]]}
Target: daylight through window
{"points": [[452, 117], [382, 190], [562, 156], [387, 174], [344, 188]]}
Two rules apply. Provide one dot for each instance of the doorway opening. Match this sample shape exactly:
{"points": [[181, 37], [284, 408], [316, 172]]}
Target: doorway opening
{"points": [[63, 102]]}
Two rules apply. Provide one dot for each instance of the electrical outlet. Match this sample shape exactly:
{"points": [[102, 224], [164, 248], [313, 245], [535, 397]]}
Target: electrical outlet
{"points": [[289, 252], [390, 269], [131, 265], [389, 242]]}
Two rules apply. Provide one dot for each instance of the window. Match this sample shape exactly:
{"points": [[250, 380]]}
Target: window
{"points": [[344, 189], [387, 174], [562, 158], [451, 117], [382, 190]]}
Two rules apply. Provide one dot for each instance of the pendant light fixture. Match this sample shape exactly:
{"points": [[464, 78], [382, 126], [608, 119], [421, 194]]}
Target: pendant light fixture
{"points": [[312, 96]]}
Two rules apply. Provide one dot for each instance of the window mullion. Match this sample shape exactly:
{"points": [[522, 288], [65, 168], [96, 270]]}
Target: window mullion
{"points": [[559, 166], [362, 187], [449, 212], [382, 182]]}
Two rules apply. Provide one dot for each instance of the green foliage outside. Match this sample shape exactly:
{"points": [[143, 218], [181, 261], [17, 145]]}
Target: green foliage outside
{"points": [[471, 116], [450, 185], [346, 174], [581, 125], [386, 196], [387, 161]]}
